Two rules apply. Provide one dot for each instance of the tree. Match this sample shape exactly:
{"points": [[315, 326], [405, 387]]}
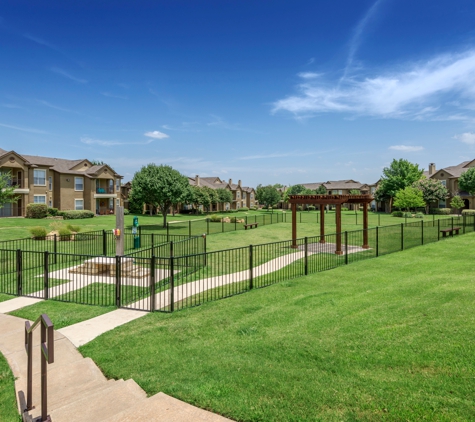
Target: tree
{"points": [[355, 192], [7, 195], [213, 196], [224, 196], [321, 190], [267, 195], [409, 198], [160, 186], [457, 203], [432, 191], [398, 176], [467, 181]]}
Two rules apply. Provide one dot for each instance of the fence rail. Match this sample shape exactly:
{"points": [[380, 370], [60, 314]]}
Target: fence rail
{"points": [[175, 275]]}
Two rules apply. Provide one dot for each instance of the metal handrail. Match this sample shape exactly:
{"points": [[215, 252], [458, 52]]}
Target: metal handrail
{"points": [[47, 356]]}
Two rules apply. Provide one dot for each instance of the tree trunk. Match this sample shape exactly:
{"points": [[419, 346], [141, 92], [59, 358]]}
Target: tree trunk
{"points": [[164, 214]]}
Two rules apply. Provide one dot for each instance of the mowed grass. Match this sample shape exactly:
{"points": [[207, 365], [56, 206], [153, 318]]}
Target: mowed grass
{"points": [[8, 408], [386, 339], [4, 297]]}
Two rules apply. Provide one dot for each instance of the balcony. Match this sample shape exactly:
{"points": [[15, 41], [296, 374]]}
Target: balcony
{"points": [[105, 190]]}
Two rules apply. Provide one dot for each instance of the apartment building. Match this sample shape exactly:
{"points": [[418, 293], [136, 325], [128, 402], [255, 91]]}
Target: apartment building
{"points": [[60, 183]]}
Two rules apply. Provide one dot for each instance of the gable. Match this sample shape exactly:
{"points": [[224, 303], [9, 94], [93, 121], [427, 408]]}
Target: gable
{"points": [[13, 160], [84, 165]]}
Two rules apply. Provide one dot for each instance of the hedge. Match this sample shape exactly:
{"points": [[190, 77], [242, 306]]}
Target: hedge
{"points": [[36, 211], [76, 214]]}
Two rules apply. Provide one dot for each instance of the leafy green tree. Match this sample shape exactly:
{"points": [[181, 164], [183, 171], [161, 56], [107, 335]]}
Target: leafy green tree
{"points": [[355, 192], [467, 181], [224, 196], [160, 186], [267, 195], [7, 195], [457, 203], [409, 197], [432, 191], [213, 197], [321, 190], [398, 176]]}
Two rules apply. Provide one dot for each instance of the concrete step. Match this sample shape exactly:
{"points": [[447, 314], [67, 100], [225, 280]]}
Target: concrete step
{"points": [[110, 400], [164, 408]]}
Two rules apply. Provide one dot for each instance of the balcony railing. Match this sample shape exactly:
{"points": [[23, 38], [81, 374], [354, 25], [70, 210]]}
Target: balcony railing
{"points": [[14, 182], [108, 190]]}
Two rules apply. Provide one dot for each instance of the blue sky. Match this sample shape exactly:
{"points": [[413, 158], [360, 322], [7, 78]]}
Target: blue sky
{"points": [[266, 91]]}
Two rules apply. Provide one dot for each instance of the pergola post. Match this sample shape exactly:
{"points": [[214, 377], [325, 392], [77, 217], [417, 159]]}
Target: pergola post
{"points": [[294, 226], [338, 250], [365, 226], [322, 223]]}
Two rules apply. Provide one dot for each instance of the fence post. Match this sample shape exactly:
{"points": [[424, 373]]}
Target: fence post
{"points": [[422, 232], [55, 247], [172, 283], [222, 225], [433, 220], [402, 236], [438, 229], [19, 284], [189, 228], [379, 219], [285, 216], [235, 223], [168, 232], [251, 272], [264, 220], [377, 241], [271, 219], [207, 226], [152, 284], [306, 255], [356, 217], [246, 220], [104, 243], [300, 216], [452, 232], [46, 276], [117, 281], [464, 221], [346, 247]]}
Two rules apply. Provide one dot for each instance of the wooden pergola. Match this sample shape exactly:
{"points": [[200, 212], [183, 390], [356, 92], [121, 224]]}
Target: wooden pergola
{"points": [[336, 200]]}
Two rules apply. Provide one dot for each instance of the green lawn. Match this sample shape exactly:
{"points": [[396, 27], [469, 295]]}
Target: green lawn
{"points": [[4, 297], [386, 339], [8, 407]]}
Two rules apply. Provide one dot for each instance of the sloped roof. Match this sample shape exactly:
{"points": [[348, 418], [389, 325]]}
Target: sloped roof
{"points": [[454, 171]]}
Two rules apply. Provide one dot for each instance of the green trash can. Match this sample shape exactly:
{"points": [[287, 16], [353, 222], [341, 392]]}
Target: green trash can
{"points": [[136, 242]]}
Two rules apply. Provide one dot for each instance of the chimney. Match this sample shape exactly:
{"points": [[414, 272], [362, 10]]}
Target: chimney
{"points": [[239, 183], [197, 180], [431, 169], [231, 182]]}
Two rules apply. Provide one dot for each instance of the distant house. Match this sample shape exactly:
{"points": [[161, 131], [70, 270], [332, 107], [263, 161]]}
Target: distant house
{"points": [[60, 183], [449, 176], [243, 196]]}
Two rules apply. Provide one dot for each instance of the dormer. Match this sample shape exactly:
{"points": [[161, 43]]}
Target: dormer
{"points": [[84, 165]]}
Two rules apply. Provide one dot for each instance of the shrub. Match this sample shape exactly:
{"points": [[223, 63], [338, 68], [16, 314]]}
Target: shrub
{"points": [[215, 219], [64, 233], [254, 208], [299, 207], [419, 215], [397, 214], [468, 212], [72, 228], [344, 208], [38, 233], [126, 211], [75, 214], [53, 212], [36, 211], [312, 208], [243, 209], [233, 220], [441, 211], [408, 215]]}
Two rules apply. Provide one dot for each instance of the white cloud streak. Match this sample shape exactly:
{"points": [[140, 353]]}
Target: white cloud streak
{"points": [[406, 148], [24, 129], [156, 135], [67, 75], [416, 92], [467, 138]]}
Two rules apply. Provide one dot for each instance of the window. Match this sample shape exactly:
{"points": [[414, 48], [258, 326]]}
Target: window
{"points": [[444, 182], [238, 194], [79, 204], [337, 192], [39, 199], [244, 195], [78, 183], [50, 203], [117, 202], [117, 185], [39, 177], [238, 205], [111, 203], [50, 183], [252, 196], [442, 203]]}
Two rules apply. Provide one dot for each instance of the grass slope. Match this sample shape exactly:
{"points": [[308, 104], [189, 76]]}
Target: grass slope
{"points": [[8, 409], [386, 339]]}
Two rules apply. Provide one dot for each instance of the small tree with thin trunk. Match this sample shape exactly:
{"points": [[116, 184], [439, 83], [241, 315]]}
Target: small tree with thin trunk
{"points": [[409, 198], [457, 203], [432, 191], [467, 181], [7, 195], [224, 196]]}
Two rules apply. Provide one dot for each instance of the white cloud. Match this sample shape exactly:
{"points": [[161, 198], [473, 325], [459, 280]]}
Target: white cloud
{"points": [[406, 148], [309, 75], [412, 91], [156, 135], [24, 129], [466, 138], [67, 75]]}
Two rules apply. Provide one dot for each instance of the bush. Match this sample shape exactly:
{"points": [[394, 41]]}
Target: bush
{"points": [[441, 211], [36, 211], [312, 208], [397, 214], [254, 208], [468, 212], [76, 215], [233, 220], [243, 209], [419, 215], [72, 228], [344, 208], [53, 212], [38, 233], [408, 215], [126, 211], [215, 219], [64, 233], [299, 207]]}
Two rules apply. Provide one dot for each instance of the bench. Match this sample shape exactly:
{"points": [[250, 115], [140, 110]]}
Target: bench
{"points": [[450, 231], [250, 225]]}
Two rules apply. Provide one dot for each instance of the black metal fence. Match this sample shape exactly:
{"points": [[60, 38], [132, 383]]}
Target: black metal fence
{"points": [[176, 275]]}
